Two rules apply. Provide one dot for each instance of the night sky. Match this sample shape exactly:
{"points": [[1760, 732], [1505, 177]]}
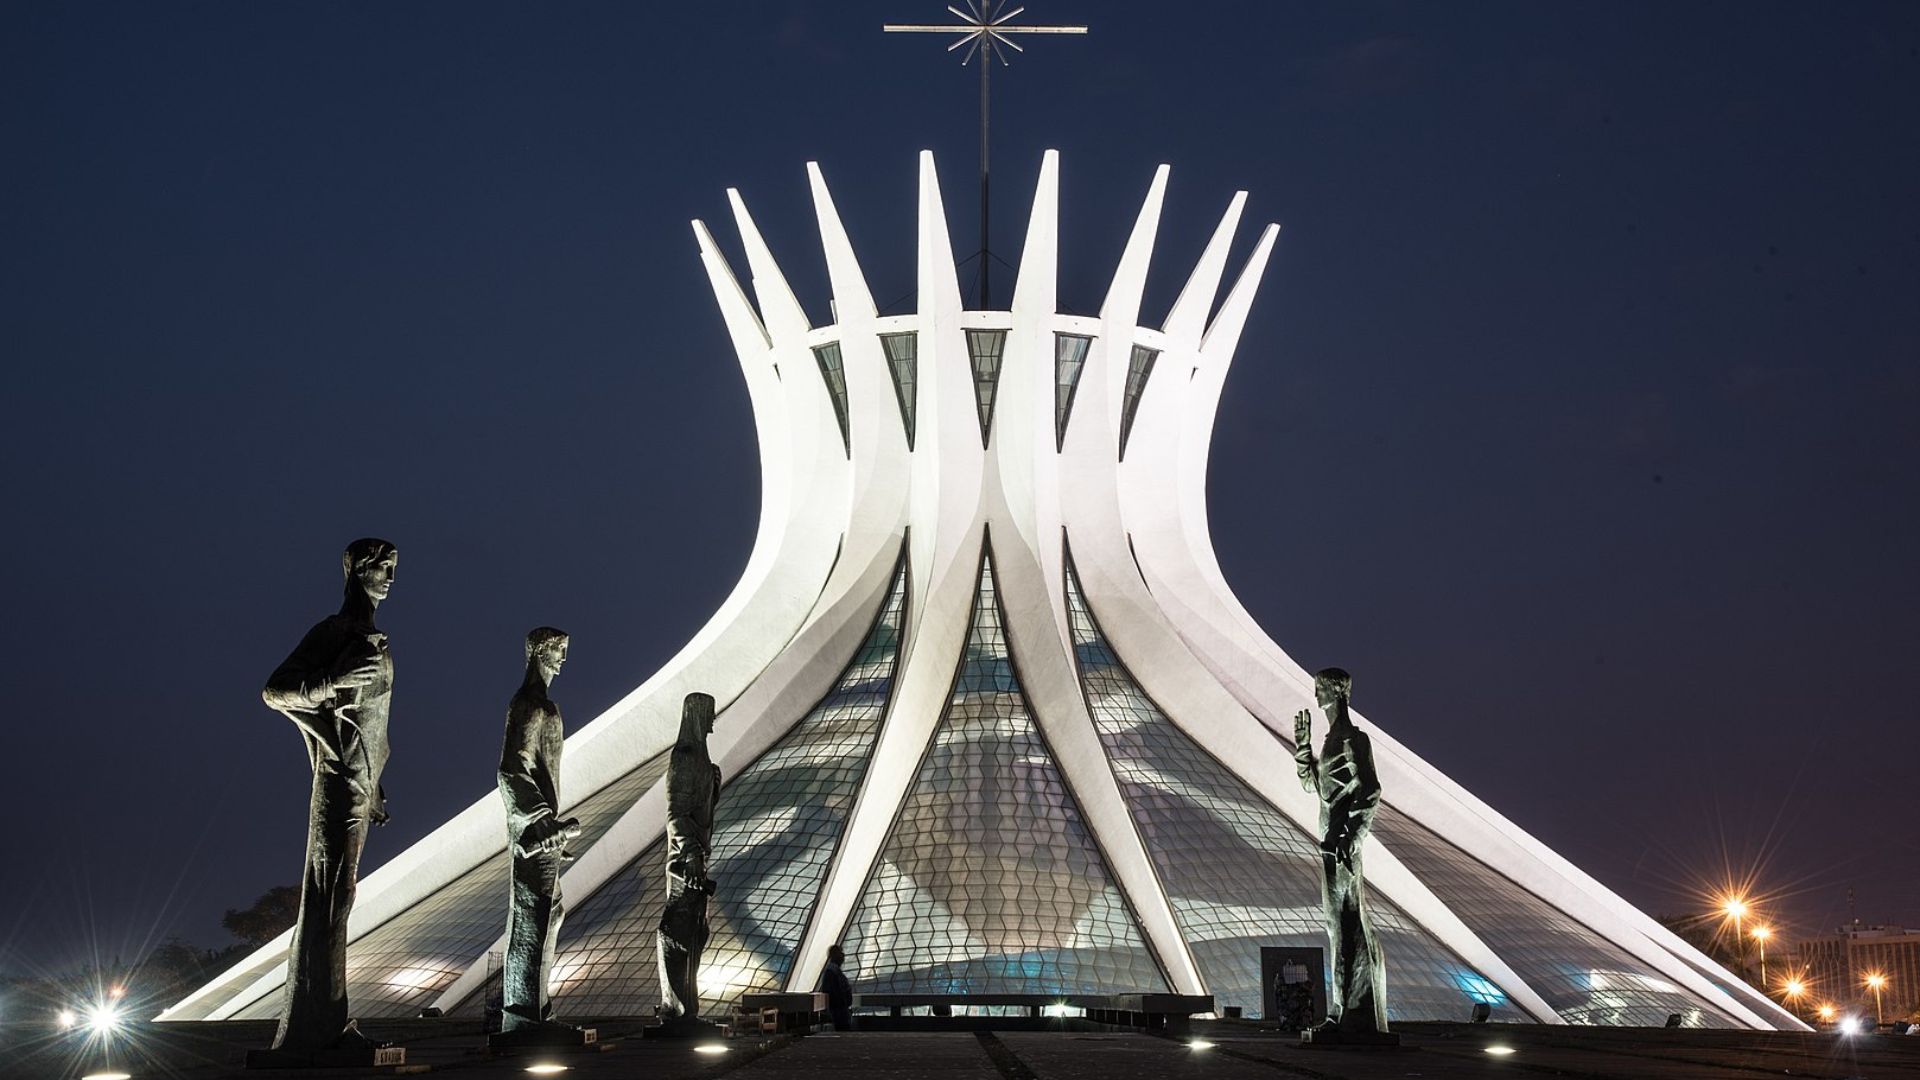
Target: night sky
{"points": [[1579, 413]]}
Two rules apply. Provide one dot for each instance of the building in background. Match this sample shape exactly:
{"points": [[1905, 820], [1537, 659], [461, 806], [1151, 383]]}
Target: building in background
{"points": [[992, 718], [1837, 966]]}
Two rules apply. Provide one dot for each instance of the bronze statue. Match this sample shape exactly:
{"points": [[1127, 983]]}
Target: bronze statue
{"points": [[1349, 791], [693, 790], [536, 838], [336, 688]]}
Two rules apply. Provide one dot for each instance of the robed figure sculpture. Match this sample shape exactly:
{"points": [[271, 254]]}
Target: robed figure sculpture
{"points": [[693, 790], [537, 838], [1343, 778], [336, 688]]}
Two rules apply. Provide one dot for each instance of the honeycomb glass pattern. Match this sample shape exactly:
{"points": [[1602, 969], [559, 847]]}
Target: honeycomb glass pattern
{"points": [[985, 347], [392, 969], [1238, 873], [903, 360], [775, 830], [1586, 978], [835, 375], [1069, 356], [403, 964], [1139, 369], [990, 880]]}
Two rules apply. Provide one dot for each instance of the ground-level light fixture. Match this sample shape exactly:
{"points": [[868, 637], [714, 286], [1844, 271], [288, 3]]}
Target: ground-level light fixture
{"points": [[1499, 1050], [1199, 1044], [103, 1019], [710, 1048], [1849, 1026], [546, 1069], [108, 1076]]}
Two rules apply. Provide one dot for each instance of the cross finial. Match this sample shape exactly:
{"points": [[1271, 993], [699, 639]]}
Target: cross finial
{"points": [[985, 27]]}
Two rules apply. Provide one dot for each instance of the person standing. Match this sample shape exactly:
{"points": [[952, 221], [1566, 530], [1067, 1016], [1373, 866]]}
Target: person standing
{"points": [[834, 984]]}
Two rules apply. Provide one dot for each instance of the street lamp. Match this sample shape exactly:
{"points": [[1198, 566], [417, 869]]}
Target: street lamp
{"points": [[1876, 982], [1735, 908], [1826, 1013], [1761, 934]]}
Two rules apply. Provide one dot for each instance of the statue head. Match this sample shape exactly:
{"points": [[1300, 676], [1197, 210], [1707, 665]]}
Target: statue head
{"points": [[836, 955], [547, 647], [1331, 685], [369, 562], [696, 720]]}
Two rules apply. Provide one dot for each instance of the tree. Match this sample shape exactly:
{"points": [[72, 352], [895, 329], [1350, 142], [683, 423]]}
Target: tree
{"points": [[269, 917], [1710, 935]]}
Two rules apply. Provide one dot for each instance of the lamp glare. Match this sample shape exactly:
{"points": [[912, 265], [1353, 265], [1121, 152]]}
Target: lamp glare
{"points": [[710, 1048], [1500, 1050], [546, 1069]]}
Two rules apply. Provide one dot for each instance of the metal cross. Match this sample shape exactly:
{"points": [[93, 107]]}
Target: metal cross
{"points": [[984, 30]]}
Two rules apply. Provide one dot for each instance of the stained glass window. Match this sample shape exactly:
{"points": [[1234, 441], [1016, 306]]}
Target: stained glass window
{"points": [[403, 964], [1587, 979], [1069, 356], [828, 357], [903, 360], [990, 879], [985, 348], [1238, 873], [1139, 368], [776, 828]]}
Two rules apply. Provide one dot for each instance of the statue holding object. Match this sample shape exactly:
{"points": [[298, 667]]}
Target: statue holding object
{"points": [[536, 841], [1344, 780]]}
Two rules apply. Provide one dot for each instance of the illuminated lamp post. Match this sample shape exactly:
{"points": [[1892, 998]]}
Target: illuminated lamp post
{"points": [[1735, 908], [1876, 982], [1761, 934]]}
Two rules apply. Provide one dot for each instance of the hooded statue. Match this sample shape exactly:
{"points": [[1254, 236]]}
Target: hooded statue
{"points": [[693, 790]]}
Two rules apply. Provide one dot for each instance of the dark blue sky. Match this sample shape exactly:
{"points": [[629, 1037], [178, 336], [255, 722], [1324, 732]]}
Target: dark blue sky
{"points": [[1577, 414]]}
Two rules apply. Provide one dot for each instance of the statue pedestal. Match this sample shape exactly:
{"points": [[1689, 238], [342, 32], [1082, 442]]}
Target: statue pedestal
{"points": [[1329, 1038], [337, 1057], [537, 1037], [685, 1027]]}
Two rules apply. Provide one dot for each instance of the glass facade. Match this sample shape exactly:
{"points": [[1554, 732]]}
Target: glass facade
{"points": [[199, 1009], [985, 347], [1587, 979], [831, 370], [403, 964], [775, 831], [990, 879], [903, 361], [1238, 873], [1069, 356], [1139, 369]]}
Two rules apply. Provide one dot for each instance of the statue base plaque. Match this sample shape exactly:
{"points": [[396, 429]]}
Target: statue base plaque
{"points": [[1332, 1038], [543, 1037], [333, 1057], [685, 1027]]}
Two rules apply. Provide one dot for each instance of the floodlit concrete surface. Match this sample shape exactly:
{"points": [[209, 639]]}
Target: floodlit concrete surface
{"points": [[1231, 1051]]}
